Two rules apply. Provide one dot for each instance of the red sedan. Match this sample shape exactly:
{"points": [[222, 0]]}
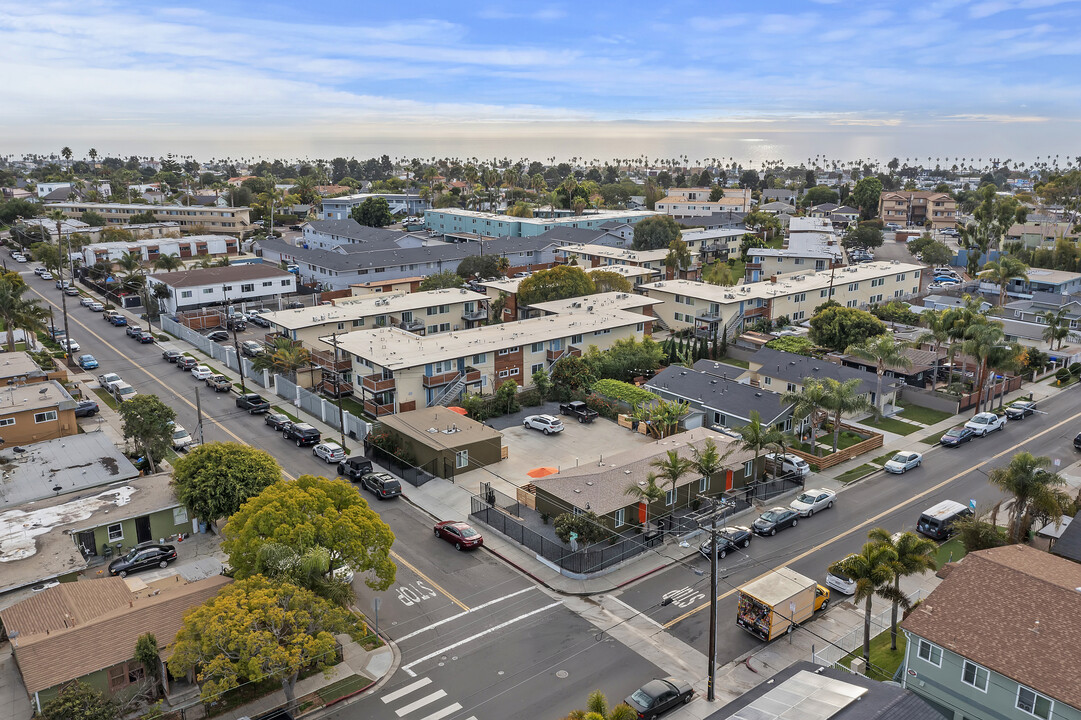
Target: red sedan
{"points": [[458, 534]]}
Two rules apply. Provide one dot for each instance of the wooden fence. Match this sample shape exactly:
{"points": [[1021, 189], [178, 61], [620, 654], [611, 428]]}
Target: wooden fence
{"points": [[827, 461]]}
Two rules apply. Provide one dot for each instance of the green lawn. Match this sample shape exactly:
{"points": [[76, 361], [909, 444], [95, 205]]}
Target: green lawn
{"points": [[951, 550], [105, 397], [927, 416], [735, 362], [856, 473], [341, 688], [884, 662], [931, 439], [352, 405], [285, 412], [891, 425], [883, 459]]}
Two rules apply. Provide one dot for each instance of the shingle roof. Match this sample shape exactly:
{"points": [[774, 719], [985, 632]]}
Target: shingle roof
{"points": [[1068, 544], [66, 605], [712, 390], [798, 368], [216, 275], [1014, 610], [353, 230]]}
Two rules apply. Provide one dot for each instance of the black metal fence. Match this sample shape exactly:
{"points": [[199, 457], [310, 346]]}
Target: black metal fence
{"points": [[766, 489], [415, 476]]}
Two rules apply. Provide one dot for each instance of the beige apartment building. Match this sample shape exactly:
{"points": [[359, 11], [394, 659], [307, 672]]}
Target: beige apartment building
{"points": [[227, 220], [708, 308], [398, 371], [695, 202], [905, 207], [600, 257]]}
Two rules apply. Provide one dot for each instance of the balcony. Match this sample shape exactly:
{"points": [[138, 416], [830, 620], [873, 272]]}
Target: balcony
{"points": [[271, 338], [710, 318], [554, 355], [411, 325], [325, 359], [471, 375], [475, 316], [335, 390], [377, 410], [376, 383]]}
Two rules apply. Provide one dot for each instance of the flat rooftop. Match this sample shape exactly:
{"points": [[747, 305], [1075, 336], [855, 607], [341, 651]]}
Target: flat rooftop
{"points": [[65, 465], [1043, 275], [622, 254], [507, 285], [353, 308], [154, 242], [35, 396], [569, 219], [144, 207], [809, 224], [18, 364], [217, 275], [395, 349], [439, 427], [804, 244], [600, 302], [627, 271]]}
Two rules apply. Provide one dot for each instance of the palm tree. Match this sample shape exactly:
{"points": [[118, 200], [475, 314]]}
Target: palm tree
{"points": [[671, 468], [937, 334], [1034, 492], [17, 312], [980, 342], [872, 571], [708, 461], [882, 350], [597, 709], [1058, 327], [842, 398], [1002, 271], [648, 493], [755, 436], [806, 403], [285, 357], [131, 264], [914, 555], [168, 263]]}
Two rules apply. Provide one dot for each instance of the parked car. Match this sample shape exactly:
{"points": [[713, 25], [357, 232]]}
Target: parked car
{"points": [[145, 555], [728, 540], [236, 322], [251, 348], [902, 462], [253, 403], [578, 409], [46, 275], [70, 345], [303, 433], [1077, 441], [458, 534], [85, 300], [808, 502], [59, 284], [181, 437], [840, 582], [217, 335], [186, 362], [71, 291], [355, 468], [145, 337], [133, 330], [956, 436], [39, 271], [383, 485], [276, 420], [95, 306], [121, 391], [119, 320], [88, 362], [985, 422], [171, 355], [547, 424], [219, 383], [778, 518], [256, 319], [329, 452], [201, 372], [790, 464], [659, 696], [86, 408], [1016, 411], [108, 379]]}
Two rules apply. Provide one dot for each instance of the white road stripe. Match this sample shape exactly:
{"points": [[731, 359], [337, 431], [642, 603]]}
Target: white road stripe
{"points": [[500, 626], [427, 700], [438, 714], [402, 692], [643, 615], [463, 614]]}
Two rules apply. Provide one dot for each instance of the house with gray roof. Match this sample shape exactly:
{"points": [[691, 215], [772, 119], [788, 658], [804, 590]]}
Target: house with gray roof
{"points": [[330, 234], [781, 372], [729, 219], [717, 399], [783, 195]]}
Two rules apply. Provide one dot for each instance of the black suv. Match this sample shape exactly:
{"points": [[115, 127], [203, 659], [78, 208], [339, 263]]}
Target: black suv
{"points": [[303, 433], [354, 468], [382, 484], [145, 555], [171, 355]]}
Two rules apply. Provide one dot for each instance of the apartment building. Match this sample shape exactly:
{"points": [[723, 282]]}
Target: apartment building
{"points": [[804, 251], [399, 371], [695, 202], [151, 249], [35, 412], [714, 243], [708, 308], [230, 221], [338, 208], [191, 289], [330, 234], [1039, 280], [444, 221], [601, 257], [917, 207]]}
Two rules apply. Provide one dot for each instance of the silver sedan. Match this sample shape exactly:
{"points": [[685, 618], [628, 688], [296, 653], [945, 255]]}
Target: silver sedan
{"points": [[903, 462]]}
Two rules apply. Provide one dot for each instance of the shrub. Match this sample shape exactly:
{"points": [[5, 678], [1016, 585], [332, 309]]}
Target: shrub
{"points": [[587, 525], [603, 408], [622, 391], [792, 344], [1062, 375], [1075, 369], [530, 398]]}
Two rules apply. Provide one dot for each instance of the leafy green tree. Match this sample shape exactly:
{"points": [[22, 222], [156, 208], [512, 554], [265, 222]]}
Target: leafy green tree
{"points": [[843, 398], [884, 351], [749, 242], [627, 359], [373, 212], [872, 571], [79, 701], [147, 216], [716, 193], [866, 195], [484, 266], [256, 630], [838, 327], [307, 513], [608, 281], [678, 257], [149, 422], [818, 195], [520, 209], [655, 233], [507, 396], [863, 236], [571, 375], [562, 281], [936, 253], [914, 555], [47, 254], [11, 210], [1034, 493], [93, 218], [542, 383], [147, 653], [441, 280], [976, 534], [587, 525], [215, 479]]}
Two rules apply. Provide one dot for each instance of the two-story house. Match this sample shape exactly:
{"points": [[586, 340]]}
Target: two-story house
{"points": [[198, 288], [780, 372], [717, 399], [917, 207], [998, 639]]}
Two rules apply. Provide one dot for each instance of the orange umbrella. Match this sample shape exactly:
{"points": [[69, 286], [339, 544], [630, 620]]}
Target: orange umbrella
{"points": [[542, 472], [460, 411]]}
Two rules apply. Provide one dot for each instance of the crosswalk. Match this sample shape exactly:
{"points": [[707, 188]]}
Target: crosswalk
{"points": [[421, 701]]}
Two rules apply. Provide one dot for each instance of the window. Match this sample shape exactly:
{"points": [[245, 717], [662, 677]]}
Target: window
{"points": [[503, 373], [536, 347], [227, 288], [975, 676], [748, 469], [1033, 702], [621, 516], [767, 381], [640, 327], [822, 293], [930, 653], [461, 459], [853, 287], [703, 484], [207, 291], [180, 515], [799, 297], [247, 287], [268, 283], [513, 371], [576, 339], [508, 351], [443, 327], [791, 387], [285, 283], [4, 422], [480, 359], [669, 497], [878, 282], [606, 331], [116, 532], [47, 416], [536, 368], [358, 323]]}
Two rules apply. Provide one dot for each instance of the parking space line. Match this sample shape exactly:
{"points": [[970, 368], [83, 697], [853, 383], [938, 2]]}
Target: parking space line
{"points": [[452, 618], [876, 518], [428, 580]]}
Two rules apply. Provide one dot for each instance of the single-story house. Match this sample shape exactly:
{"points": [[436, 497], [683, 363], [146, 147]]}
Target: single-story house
{"points": [[919, 375], [444, 442], [787, 372], [716, 398]]}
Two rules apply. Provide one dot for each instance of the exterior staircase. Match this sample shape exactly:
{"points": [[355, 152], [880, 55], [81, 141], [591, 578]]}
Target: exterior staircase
{"points": [[450, 393]]}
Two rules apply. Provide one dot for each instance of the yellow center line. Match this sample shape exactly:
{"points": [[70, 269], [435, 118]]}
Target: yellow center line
{"points": [[230, 433], [874, 519]]}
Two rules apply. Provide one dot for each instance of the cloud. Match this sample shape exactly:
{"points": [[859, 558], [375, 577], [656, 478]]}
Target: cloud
{"points": [[545, 13]]}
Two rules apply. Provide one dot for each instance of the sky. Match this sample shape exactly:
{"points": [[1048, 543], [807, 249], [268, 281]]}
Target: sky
{"points": [[604, 79]]}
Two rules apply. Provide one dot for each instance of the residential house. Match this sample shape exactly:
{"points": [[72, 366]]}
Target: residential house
{"points": [[454, 220], [780, 372], [225, 220], [1034, 234], [998, 638], [948, 302], [774, 208], [918, 207], [86, 631], [783, 195], [729, 219], [444, 442], [717, 399], [18, 368], [339, 208], [920, 374], [190, 289], [149, 250], [1042, 280], [804, 251], [599, 256], [695, 202], [32, 413], [330, 234], [810, 225], [401, 285], [603, 489]]}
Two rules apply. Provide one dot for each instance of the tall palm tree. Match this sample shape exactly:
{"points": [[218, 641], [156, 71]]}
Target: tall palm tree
{"points": [[871, 570], [1002, 271], [755, 437], [775, 438], [671, 468], [17, 312], [168, 263], [882, 350], [1058, 327], [708, 461], [937, 334], [806, 403], [980, 342], [131, 265], [1034, 492], [648, 493], [914, 555], [285, 357], [842, 398]]}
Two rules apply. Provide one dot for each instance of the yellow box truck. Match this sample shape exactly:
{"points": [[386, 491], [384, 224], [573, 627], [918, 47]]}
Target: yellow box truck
{"points": [[775, 604]]}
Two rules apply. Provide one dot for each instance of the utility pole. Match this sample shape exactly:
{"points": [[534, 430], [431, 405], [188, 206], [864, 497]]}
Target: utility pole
{"points": [[337, 389], [63, 293], [231, 320], [716, 509], [198, 417]]}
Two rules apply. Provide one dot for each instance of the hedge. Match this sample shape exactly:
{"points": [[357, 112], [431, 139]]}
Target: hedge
{"points": [[792, 344], [622, 391]]}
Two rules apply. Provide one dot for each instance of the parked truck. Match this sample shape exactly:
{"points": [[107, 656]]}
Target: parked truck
{"points": [[578, 409], [777, 603]]}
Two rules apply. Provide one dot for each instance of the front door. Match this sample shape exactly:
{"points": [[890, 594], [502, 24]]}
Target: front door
{"points": [[142, 529], [87, 544]]}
